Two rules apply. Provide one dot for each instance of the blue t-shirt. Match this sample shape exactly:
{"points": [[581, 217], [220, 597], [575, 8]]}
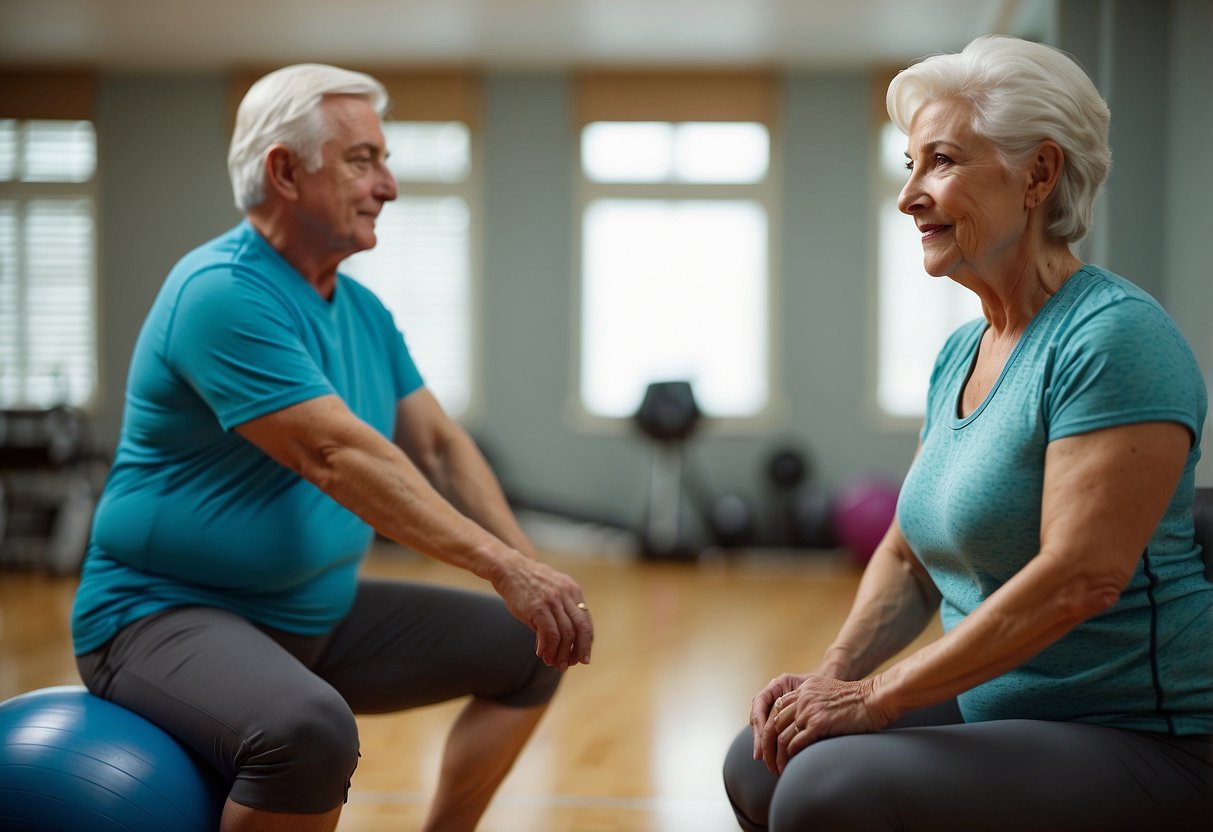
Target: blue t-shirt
{"points": [[192, 513], [1101, 352]]}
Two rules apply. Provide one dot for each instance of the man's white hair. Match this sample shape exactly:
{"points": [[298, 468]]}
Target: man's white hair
{"points": [[284, 108]]}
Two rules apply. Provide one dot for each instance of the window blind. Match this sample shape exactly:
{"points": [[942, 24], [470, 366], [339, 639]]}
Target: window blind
{"points": [[47, 263]]}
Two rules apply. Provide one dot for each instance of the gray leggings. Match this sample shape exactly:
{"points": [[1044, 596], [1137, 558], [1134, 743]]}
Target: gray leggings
{"points": [[273, 712], [933, 773]]}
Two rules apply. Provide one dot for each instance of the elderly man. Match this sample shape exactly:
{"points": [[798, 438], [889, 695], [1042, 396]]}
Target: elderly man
{"points": [[274, 421]]}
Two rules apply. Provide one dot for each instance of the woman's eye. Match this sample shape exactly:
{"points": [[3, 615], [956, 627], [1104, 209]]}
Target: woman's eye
{"points": [[940, 159]]}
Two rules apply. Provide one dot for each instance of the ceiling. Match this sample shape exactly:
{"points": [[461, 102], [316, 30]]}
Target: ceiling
{"points": [[204, 35]]}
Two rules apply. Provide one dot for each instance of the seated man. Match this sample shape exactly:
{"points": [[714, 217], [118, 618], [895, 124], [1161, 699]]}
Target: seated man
{"points": [[274, 421]]}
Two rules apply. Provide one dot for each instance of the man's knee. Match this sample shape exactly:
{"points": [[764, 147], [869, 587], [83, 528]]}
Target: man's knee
{"points": [[302, 759], [513, 674], [536, 684]]}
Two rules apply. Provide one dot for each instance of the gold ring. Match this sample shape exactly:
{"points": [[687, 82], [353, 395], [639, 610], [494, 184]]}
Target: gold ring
{"points": [[581, 606]]}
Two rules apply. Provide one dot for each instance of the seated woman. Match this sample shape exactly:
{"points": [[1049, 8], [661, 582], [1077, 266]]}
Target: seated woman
{"points": [[1046, 516]]}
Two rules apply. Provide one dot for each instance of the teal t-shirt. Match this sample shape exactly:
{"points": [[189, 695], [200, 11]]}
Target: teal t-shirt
{"points": [[192, 513], [1100, 353]]}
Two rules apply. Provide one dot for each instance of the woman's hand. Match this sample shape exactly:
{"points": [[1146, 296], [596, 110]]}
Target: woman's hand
{"points": [[551, 604], [817, 708], [763, 707]]}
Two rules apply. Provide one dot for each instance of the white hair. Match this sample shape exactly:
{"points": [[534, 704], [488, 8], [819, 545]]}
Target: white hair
{"points": [[284, 108], [1021, 93]]}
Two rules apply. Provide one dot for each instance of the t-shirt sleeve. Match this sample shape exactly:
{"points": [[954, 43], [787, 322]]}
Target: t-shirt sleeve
{"points": [[235, 345], [1125, 363], [407, 377]]}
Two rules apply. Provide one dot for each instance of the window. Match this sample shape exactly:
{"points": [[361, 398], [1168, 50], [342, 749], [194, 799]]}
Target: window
{"points": [[675, 263], [421, 267], [917, 312], [48, 345]]}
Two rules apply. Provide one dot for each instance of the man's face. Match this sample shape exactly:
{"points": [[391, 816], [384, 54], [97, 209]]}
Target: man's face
{"points": [[339, 202]]}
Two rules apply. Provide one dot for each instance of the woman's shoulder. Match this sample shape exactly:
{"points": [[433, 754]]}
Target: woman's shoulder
{"points": [[1112, 327], [1100, 305], [1094, 287]]}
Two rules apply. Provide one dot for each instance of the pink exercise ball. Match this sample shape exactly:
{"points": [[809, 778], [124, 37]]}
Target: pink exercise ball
{"points": [[862, 512]]}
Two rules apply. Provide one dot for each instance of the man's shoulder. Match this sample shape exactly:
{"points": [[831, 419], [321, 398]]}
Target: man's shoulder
{"points": [[238, 263], [235, 247]]}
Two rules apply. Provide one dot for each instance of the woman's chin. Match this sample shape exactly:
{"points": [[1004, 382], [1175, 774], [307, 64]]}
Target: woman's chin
{"points": [[935, 269]]}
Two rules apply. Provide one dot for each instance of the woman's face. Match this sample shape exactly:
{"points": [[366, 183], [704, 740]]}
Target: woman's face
{"points": [[971, 211]]}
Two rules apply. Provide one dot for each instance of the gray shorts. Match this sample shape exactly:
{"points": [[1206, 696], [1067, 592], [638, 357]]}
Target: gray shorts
{"points": [[931, 772], [273, 712]]}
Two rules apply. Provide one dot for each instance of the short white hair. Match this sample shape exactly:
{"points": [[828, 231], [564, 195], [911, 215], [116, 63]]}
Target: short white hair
{"points": [[1021, 93], [284, 108]]}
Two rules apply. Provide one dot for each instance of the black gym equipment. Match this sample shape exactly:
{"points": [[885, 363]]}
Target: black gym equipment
{"points": [[732, 521], [668, 416], [50, 478], [798, 508]]}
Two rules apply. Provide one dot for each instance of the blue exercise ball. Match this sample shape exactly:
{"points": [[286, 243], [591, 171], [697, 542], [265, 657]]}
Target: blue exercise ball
{"points": [[73, 761]]}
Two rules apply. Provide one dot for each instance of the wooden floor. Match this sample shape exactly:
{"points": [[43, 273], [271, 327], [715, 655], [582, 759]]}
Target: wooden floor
{"points": [[632, 743]]}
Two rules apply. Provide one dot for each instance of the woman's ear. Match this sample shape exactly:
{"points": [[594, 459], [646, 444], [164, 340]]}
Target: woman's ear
{"points": [[1045, 169], [281, 170]]}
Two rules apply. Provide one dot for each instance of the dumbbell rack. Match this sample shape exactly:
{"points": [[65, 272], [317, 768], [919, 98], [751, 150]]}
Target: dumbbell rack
{"points": [[49, 482]]}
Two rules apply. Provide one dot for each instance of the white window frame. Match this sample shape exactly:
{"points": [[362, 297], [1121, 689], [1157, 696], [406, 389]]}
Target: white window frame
{"points": [[23, 192], [765, 193]]}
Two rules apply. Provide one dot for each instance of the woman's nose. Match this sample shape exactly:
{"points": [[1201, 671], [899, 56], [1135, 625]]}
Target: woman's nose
{"points": [[912, 197]]}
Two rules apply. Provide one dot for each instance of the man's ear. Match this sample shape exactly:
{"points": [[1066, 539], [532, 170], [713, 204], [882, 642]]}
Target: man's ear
{"points": [[1046, 168], [281, 171]]}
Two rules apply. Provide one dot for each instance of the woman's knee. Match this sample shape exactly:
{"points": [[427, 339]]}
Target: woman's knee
{"points": [[747, 783], [828, 786], [302, 757], [822, 788]]}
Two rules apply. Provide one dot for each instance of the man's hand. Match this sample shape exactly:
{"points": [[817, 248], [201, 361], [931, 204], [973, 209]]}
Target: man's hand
{"points": [[551, 604]]}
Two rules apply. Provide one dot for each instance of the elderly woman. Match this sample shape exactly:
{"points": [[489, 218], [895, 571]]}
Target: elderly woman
{"points": [[1046, 516]]}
